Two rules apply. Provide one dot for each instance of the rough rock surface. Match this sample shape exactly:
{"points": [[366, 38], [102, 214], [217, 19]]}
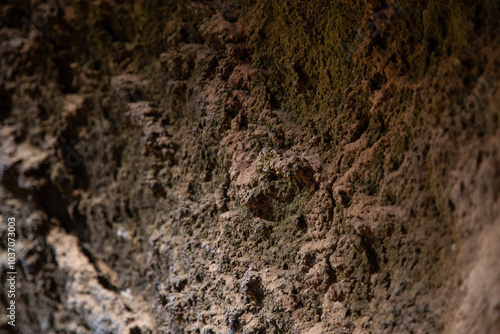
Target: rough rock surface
{"points": [[251, 166]]}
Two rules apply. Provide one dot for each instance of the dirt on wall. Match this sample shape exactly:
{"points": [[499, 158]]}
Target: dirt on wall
{"points": [[251, 166]]}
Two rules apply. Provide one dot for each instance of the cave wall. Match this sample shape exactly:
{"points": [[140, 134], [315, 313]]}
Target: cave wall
{"points": [[251, 166]]}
